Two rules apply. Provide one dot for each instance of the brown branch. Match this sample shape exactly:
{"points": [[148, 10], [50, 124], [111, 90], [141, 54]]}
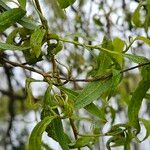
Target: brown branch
{"points": [[45, 75]]}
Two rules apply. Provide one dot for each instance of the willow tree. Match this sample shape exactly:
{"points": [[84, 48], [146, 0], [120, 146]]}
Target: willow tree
{"points": [[82, 66]]}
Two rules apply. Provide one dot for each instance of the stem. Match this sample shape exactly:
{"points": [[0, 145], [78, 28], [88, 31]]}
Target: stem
{"points": [[45, 75]]}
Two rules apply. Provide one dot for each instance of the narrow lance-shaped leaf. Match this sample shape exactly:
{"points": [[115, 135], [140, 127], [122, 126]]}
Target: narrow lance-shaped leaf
{"points": [[22, 3], [146, 124], [9, 17], [91, 108], [136, 16], [55, 128], [118, 46], [30, 99], [135, 104], [144, 39], [91, 92], [136, 59], [35, 142], [66, 3], [36, 40], [25, 21], [5, 46]]}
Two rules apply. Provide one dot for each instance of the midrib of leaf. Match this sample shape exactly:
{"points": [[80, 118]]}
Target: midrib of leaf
{"points": [[84, 98]]}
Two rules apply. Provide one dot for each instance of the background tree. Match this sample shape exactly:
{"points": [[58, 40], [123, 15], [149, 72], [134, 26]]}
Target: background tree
{"points": [[77, 70]]}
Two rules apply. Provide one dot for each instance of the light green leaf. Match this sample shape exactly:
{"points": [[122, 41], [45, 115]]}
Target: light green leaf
{"points": [[82, 142], [30, 99], [91, 108], [66, 3], [56, 8], [9, 17], [5, 46], [35, 142], [22, 3], [136, 59], [36, 40], [103, 59], [144, 39], [136, 16], [135, 104], [146, 124], [118, 46], [91, 92]]}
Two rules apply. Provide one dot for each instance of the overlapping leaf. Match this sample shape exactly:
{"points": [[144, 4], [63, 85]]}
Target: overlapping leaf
{"points": [[9, 17], [135, 104], [91, 108], [55, 128], [35, 140], [36, 40]]}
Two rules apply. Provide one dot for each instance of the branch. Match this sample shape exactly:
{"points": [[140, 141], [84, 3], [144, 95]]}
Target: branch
{"points": [[45, 75]]}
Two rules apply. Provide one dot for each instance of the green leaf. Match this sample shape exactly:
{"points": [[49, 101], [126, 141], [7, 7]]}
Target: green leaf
{"points": [[91, 92], [144, 39], [136, 16], [91, 108], [22, 3], [104, 61], [82, 142], [146, 124], [58, 48], [118, 46], [55, 128], [66, 3], [57, 9], [135, 104], [25, 21], [136, 59], [36, 40], [5, 46], [9, 17], [35, 140], [30, 99], [147, 19]]}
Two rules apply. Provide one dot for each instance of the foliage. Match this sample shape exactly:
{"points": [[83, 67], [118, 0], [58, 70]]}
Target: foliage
{"points": [[104, 66]]}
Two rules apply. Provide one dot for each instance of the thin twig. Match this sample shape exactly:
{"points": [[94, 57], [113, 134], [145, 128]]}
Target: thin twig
{"points": [[104, 77]]}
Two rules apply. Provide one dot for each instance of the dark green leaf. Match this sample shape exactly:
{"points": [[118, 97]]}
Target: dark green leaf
{"points": [[135, 104], [35, 142], [55, 128], [9, 17]]}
